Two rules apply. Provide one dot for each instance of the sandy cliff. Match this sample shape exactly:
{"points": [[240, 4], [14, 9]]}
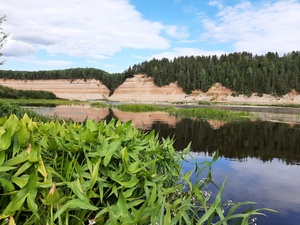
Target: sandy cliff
{"points": [[77, 89], [142, 89]]}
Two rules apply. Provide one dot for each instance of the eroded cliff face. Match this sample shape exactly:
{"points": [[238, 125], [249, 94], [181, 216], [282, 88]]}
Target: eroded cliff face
{"points": [[74, 90], [142, 89]]}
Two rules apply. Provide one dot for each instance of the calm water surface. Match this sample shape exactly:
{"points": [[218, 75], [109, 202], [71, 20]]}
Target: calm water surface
{"points": [[261, 158]]}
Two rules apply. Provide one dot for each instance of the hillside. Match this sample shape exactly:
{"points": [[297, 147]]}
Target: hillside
{"points": [[142, 89], [74, 90]]}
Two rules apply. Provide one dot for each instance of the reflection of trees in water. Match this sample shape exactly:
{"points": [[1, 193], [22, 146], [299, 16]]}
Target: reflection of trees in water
{"points": [[110, 115], [239, 140]]}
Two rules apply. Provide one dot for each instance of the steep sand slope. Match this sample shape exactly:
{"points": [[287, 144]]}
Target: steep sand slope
{"points": [[77, 89], [142, 89]]}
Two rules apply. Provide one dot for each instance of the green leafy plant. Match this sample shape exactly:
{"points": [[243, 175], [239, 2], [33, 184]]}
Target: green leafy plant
{"points": [[99, 173]]}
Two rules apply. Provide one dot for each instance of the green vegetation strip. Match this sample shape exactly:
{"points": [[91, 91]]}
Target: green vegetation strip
{"points": [[201, 113], [40, 102], [102, 173]]}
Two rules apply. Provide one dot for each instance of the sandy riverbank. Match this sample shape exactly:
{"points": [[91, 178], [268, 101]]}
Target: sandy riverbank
{"points": [[141, 89]]}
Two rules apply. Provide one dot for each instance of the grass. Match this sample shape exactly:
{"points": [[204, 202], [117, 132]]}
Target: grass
{"points": [[201, 113], [40, 102]]}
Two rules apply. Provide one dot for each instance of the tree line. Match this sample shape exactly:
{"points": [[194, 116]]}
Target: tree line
{"points": [[111, 81], [242, 72]]}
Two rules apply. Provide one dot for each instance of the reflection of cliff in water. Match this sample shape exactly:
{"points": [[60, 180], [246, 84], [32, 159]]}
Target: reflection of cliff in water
{"points": [[260, 139], [239, 140]]}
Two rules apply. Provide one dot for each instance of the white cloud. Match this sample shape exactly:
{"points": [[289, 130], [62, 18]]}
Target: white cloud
{"points": [[258, 28], [177, 52], [93, 28], [45, 63], [218, 3], [19, 48], [177, 32]]}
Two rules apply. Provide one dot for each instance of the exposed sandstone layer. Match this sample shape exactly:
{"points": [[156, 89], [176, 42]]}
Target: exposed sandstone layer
{"points": [[74, 90], [142, 89]]}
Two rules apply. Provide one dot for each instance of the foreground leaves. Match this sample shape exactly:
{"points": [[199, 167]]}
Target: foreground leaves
{"points": [[108, 173]]}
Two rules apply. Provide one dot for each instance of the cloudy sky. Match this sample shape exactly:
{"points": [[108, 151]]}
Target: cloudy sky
{"points": [[115, 34]]}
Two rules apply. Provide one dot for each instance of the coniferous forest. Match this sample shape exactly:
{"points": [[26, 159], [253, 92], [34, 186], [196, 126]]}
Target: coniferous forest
{"points": [[243, 73]]}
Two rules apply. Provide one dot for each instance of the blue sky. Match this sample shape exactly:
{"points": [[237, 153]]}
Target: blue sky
{"points": [[115, 34]]}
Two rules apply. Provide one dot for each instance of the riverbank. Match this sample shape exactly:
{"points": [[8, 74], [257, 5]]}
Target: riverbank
{"points": [[141, 89]]}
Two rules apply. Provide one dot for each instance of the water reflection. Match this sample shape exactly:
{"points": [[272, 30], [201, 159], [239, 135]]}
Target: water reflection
{"points": [[273, 185], [263, 140], [238, 140], [261, 158]]}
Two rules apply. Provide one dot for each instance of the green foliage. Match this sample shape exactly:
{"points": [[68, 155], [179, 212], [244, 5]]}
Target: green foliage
{"points": [[7, 92], [243, 72], [202, 113], [41, 102], [140, 108], [209, 113], [6, 109], [111, 81], [93, 167], [107, 173]]}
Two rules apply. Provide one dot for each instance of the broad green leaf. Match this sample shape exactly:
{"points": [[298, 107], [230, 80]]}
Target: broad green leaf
{"points": [[152, 197], [16, 202], [32, 126], [95, 172], [6, 185], [134, 167], [74, 204], [122, 205], [20, 181], [112, 148], [5, 140], [6, 168], [41, 167], [77, 190], [2, 157], [197, 192], [23, 135], [20, 158], [129, 184], [167, 217], [31, 202], [23, 168], [129, 192]]}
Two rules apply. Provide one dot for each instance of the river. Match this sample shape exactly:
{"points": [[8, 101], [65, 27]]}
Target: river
{"points": [[261, 157]]}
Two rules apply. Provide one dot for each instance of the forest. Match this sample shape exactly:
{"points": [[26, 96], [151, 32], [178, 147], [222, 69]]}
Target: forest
{"points": [[242, 72]]}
